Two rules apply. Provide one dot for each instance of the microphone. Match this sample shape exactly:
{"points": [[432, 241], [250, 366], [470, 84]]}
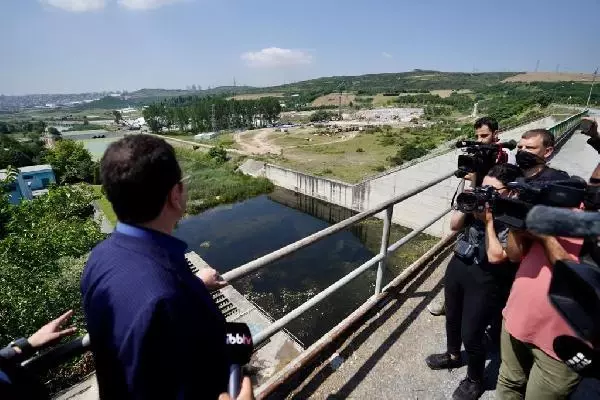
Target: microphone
{"points": [[563, 222], [238, 341], [580, 357]]}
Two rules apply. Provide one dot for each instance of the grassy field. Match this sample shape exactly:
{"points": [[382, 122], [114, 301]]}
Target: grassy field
{"points": [[224, 139], [213, 183], [255, 96], [339, 160], [105, 205]]}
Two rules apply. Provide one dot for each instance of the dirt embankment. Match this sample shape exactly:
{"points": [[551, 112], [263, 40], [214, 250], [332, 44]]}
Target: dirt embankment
{"points": [[550, 77]]}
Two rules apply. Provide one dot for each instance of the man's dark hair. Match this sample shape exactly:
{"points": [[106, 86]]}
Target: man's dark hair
{"points": [[487, 121], [505, 173], [547, 136], [138, 172]]}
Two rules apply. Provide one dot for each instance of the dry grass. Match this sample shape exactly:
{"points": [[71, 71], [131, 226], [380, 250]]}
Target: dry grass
{"points": [[332, 99], [340, 160], [255, 96], [550, 77]]}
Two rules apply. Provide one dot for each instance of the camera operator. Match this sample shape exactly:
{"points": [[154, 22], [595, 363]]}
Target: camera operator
{"points": [[534, 150], [530, 367], [476, 285], [486, 132]]}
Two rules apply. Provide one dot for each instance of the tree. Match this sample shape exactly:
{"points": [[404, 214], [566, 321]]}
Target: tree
{"points": [[71, 162], [85, 120], [321, 115], [42, 249], [118, 116], [152, 115], [52, 131]]}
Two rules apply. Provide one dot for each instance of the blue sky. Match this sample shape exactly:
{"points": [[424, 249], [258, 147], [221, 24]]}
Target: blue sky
{"points": [[63, 46]]}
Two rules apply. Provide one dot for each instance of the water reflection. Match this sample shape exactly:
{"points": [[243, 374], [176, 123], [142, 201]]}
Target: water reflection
{"points": [[229, 236]]}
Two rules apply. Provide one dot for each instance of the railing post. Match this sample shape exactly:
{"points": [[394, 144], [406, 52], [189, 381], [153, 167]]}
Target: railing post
{"points": [[385, 239]]}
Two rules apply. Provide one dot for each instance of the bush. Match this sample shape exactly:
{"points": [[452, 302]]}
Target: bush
{"points": [[321, 115], [408, 152], [215, 182], [360, 150], [379, 168], [218, 153]]}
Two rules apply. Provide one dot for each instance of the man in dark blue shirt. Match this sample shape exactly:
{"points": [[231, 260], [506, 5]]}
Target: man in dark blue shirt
{"points": [[155, 331]]}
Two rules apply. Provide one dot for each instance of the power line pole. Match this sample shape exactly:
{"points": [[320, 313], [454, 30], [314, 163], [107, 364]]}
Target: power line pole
{"points": [[213, 118], [340, 103], [591, 88], [537, 65], [232, 108]]}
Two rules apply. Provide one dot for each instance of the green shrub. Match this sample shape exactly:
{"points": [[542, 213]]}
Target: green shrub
{"points": [[218, 154], [379, 168], [41, 257]]}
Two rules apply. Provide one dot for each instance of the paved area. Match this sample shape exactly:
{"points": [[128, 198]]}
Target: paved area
{"points": [[576, 157], [385, 359]]}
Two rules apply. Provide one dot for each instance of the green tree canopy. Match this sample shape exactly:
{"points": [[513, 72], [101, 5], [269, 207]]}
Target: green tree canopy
{"points": [[71, 162]]}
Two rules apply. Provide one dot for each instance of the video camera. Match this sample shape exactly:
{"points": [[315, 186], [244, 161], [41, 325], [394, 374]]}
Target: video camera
{"points": [[575, 287], [480, 158], [475, 200], [513, 211]]}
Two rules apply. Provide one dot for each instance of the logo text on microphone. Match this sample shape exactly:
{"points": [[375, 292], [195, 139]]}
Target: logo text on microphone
{"points": [[230, 338]]}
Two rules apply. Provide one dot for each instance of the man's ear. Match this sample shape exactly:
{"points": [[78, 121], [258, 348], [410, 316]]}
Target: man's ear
{"points": [[174, 197], [548, 153]]}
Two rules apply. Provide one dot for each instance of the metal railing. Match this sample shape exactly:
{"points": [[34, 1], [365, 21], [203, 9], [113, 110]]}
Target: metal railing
{"points": [[562, 130]]}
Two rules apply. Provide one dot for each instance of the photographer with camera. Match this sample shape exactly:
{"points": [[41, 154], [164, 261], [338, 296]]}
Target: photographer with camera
{"points": [[486, 133], [477, 279], [530, 367]]}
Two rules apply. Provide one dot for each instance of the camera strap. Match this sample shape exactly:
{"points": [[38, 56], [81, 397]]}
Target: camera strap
{"points": [[455, 194]]}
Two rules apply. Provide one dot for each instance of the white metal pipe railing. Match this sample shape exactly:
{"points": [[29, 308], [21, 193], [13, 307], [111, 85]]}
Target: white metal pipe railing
{"points": [[261, 262]]}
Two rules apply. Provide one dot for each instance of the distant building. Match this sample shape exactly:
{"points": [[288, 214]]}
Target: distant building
{"points": [[30, 182], [18, 189], [38, 178], [204, 136]]}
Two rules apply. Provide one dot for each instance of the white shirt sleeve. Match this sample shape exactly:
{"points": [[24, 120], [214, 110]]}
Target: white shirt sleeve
{"points": [[511, 156]]}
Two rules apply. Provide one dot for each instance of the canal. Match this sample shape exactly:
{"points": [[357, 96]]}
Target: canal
{"points": [[229, 236]]}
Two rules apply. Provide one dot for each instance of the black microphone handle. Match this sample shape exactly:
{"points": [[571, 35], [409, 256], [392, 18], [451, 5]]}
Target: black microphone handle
{"points": [[235, 381]]}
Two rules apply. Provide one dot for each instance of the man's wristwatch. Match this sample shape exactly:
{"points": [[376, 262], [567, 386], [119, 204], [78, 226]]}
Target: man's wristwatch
{"points": [[23, 345]]}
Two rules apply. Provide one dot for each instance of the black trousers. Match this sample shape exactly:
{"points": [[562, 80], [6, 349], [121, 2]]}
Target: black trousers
{"points": [[474, 295]]}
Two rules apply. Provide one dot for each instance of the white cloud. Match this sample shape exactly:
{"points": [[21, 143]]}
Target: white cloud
{"points": [[77, 5], [272, 57], [386, 54], [145, 4]]}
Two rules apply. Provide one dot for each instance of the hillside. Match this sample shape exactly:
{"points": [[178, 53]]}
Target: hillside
{"points": [[550, 77]]}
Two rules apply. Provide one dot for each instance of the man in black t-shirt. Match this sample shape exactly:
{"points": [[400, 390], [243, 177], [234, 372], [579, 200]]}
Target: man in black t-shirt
{"points": [[534, 150]]}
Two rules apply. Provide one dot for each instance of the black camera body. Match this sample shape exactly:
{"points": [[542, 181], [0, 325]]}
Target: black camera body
{"points": [[513, 211], [480, 158], [475, 200]]}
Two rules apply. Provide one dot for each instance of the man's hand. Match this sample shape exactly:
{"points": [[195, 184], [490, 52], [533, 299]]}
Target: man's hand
{"points": [[245, 391], [212, 279], [52, 331]]}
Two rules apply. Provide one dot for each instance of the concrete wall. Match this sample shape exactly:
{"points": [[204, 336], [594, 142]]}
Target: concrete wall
{"points": [[411, 213]]}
